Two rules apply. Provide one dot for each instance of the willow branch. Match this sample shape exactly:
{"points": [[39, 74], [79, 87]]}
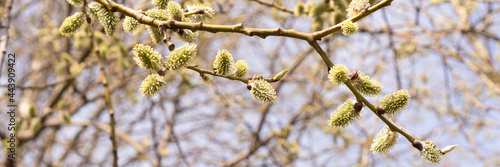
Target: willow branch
{"points": [[374, 110], [231, 77], [107, 97], [237, 28], [360, 97], [323, 33]]}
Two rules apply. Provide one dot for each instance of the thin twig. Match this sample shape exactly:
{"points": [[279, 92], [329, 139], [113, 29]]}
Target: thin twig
{"points": [[107, 96], [274, 5], [231, 77]]}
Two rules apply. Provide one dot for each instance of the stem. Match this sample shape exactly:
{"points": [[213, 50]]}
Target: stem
{"points": [[107, 96], [231, 77], [393, 127], [190, 13]]}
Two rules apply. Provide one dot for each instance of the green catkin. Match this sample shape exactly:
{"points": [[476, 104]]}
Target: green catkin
{"points": [[356, 6], [262, 91], [349, 28], [72, 24], [147, 58], [152, 85], [367, 86], [105, 17], [395, 102], [344, 115], [430, 153], [180, 57], [241, 68], [338, 74], [175, 11], [386, 140], [130, 24], [223, 63], [160, 4]]}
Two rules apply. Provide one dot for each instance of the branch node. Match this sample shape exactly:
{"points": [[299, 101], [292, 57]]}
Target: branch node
{"points": [[141, 19]]}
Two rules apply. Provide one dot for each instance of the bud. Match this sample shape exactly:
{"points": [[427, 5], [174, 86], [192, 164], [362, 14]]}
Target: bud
{"points": [[430, 153], [154, 32], [358, 106], [367, 86], [354, 75], [338, 74], [349, 28], [380, 110], [395, 102], [106, 17], [344, 115], [152, 85], [147, 58], [357, 6], [89, 20], [280, 75], [180, 57], [261, 90], [160, 4], [71, 24], [223, 62], [75, 2], [130, 24], [386, 140], [208, 12], [299, 9], [417, 144], [447, 149], [175, 11], [241, 68], [189, 36]]}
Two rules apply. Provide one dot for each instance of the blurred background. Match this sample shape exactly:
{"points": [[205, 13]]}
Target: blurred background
{"points": [[444, 52]]}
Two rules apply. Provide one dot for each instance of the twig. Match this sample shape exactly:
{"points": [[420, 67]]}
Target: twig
{"points": [[274, 5], [231, 77], [107, 96], [360, 97]]}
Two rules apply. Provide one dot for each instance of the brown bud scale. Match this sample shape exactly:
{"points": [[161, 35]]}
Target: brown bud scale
{"points": [[380, 110], [358, 106], [417, 145]]}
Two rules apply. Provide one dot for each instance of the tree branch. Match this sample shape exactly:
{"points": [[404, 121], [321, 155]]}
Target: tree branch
{"points": [[238, 28]]}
